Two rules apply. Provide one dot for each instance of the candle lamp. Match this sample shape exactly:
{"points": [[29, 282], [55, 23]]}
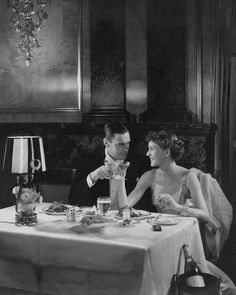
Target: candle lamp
{"points": [[24, 156]]}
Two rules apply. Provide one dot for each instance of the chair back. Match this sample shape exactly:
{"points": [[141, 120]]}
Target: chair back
{"points": [[55, 192], [220, 209]]}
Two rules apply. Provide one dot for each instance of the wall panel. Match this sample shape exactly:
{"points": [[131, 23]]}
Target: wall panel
{"points": [[50, 85]]}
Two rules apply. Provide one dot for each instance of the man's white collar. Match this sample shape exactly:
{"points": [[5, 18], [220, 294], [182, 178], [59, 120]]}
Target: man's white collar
{"points": [[108, 158]]}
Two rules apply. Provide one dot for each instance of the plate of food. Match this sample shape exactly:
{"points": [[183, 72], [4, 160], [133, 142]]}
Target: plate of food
{"points": [[163, 220], [134, 214], [95, 219], [55, 208], [89, 211], [94, 216]]}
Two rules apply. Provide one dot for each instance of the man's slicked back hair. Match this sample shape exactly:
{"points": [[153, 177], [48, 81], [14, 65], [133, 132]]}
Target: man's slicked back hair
{"points": [[113, 128]]}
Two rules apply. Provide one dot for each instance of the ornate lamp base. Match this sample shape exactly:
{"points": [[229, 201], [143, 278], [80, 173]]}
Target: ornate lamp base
{"points": [[29, 220]]}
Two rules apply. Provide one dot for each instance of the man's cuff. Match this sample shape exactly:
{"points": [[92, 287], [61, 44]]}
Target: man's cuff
{"points": [[89, 181]]}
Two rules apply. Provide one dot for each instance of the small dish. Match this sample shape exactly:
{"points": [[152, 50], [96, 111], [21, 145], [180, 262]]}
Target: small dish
{"points": [[122, 223], [164, 220]]}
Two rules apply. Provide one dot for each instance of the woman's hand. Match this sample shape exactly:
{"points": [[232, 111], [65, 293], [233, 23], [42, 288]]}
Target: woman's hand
{"points": [[165, 201]]}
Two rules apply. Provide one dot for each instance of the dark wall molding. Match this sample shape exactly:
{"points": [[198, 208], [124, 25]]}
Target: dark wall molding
{"points": [[43, 115], [66, 140]]}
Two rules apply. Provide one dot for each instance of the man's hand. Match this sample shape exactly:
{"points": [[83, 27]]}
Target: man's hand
{"points": [[118, 168], [101, 173]]}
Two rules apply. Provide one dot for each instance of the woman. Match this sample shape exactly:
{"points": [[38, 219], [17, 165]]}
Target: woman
{"points": [[173, 186]]}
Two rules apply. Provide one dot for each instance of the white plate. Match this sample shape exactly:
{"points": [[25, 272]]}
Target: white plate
{"points": [[132, 223], [164, 220], [144, 214]]}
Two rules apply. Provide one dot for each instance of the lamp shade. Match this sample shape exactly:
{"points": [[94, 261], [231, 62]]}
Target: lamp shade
{"points": [[24, 154]]}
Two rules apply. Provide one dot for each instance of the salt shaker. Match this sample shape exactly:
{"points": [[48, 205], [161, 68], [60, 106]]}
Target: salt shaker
{"points": [[126, 214], [71, 214]]}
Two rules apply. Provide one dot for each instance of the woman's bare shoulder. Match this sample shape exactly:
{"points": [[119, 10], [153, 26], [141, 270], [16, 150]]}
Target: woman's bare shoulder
{"points": [[148, 176], [182, 172], [191, 177]]}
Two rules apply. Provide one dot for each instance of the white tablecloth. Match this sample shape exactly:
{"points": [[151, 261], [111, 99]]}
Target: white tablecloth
{"points": [[58, 257]]}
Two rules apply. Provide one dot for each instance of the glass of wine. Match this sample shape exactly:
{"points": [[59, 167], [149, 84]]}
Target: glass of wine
{"points": [[104, 204]]}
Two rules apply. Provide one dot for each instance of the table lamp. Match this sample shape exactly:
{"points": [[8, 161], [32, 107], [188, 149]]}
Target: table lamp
{"points": [[24, 156]]}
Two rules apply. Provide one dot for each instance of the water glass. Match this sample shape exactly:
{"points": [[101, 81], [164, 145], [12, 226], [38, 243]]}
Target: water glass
{"points": [[103, 204]]}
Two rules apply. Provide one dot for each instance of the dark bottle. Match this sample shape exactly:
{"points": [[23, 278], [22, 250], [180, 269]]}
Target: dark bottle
{"points": [[195, 278]]}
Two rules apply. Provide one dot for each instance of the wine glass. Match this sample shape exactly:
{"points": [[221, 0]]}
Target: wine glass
{"points": [[104, 204]]}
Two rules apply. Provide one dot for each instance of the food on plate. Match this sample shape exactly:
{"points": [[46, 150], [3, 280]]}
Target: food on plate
{"points": [[88, 219], [56, 208], [90, 211], [133, 213]]}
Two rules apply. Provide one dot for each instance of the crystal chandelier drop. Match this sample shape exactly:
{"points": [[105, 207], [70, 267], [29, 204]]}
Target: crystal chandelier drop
{"points": [[27, 16]]}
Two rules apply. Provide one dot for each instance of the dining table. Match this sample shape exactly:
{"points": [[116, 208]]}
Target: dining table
{"points": [[62, 257]]}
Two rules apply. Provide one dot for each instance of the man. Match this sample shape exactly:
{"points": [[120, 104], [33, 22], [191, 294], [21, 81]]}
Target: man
{"points": [[87, 186]]}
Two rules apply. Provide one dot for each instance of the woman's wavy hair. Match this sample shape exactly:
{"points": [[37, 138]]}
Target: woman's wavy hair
{"points": [[167, 139]]}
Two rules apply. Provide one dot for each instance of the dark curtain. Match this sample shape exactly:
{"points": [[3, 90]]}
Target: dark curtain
{"points": [[223, 12]]}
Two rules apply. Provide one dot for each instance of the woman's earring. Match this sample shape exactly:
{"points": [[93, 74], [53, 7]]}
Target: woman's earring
{"points": [[168, 152]]}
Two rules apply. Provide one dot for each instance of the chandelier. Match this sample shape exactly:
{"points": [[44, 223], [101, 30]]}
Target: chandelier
{"points": [[27, 16]]}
